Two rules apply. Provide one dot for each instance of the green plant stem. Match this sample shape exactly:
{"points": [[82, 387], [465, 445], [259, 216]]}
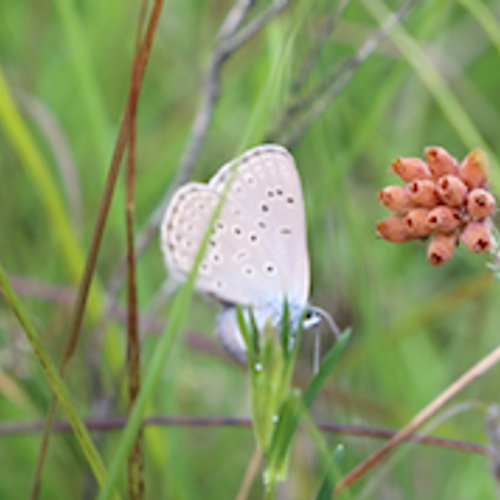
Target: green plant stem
{"points": [[55, 380]]}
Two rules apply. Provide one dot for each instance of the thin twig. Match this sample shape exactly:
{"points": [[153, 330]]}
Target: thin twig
{"points": [[229, 41], [234, 18], [116, 423], [493, 431], [312, 59], [135, 463], [148, 322], [380, 477], [406, 432], [84, 288], [303, 112], [250, 473]]}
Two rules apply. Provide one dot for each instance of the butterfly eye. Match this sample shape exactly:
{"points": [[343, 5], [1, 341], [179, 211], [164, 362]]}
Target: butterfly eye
{"points": [[311, 320]]}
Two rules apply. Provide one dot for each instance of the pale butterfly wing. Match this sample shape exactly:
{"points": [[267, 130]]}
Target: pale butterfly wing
{"points": [[228, 330], [228, 333], [257, 255], [267, 186], [238, 266]]}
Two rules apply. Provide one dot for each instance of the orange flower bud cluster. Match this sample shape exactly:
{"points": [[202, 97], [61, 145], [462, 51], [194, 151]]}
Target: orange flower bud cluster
{"points": [[442, 199]]}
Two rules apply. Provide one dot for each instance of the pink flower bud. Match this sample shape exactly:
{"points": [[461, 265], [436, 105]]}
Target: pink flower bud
{"points": [[416, 223], [476, 237], [441, 248], [474, 169], [444, 219], [423, 193], [452, 190], [393, 228], [440, 162], [410, 169], [396, 198], [480, 203]]}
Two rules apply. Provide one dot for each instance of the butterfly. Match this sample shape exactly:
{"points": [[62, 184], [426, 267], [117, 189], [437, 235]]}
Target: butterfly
{"points": [[257, 254]]}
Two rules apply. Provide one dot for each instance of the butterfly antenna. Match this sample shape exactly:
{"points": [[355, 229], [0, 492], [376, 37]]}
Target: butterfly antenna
{"points": [[317, 350], [331, 323]]}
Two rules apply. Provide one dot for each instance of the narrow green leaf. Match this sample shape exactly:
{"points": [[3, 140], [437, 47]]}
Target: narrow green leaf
{"points": [[286, 426], [85, 78], [325, 491], [328, 363], [294, 406], [486, 17], [57, 384], [161, 354], [37, 169]]}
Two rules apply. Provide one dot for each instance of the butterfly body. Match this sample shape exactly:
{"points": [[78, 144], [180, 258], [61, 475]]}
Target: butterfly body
{"points": [[257, 254]]}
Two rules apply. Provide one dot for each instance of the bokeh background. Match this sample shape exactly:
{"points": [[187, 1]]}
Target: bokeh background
{"points": [[348, 87]]}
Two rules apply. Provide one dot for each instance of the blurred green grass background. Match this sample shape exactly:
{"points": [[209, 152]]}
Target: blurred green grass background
{"points": [[415, 328]]}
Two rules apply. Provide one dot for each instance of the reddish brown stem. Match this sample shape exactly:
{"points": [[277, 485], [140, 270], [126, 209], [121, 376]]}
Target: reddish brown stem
{"points": [[135, 464], [408, 431], [84, 288]]}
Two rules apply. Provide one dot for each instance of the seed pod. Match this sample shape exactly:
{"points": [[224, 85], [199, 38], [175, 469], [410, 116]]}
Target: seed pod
{"points": [[441, 248], [410, 169], [452, 190], [423, 193], [396, 198], [440, 162], [416, 223], [474, 169], [393, 228], [444, 219], [480, 203], [476, 236]]}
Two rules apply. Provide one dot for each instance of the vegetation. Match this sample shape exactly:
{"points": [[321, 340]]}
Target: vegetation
{"points": [[170, 92]]}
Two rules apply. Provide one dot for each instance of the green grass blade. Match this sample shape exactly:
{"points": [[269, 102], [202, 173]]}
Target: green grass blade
{"points": [[486, 18], [86, 80], [294, 407], [430, 77], [327, 365], [158, 361], [327, 486], [57, 384], [39, 172], [286, 426]]}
